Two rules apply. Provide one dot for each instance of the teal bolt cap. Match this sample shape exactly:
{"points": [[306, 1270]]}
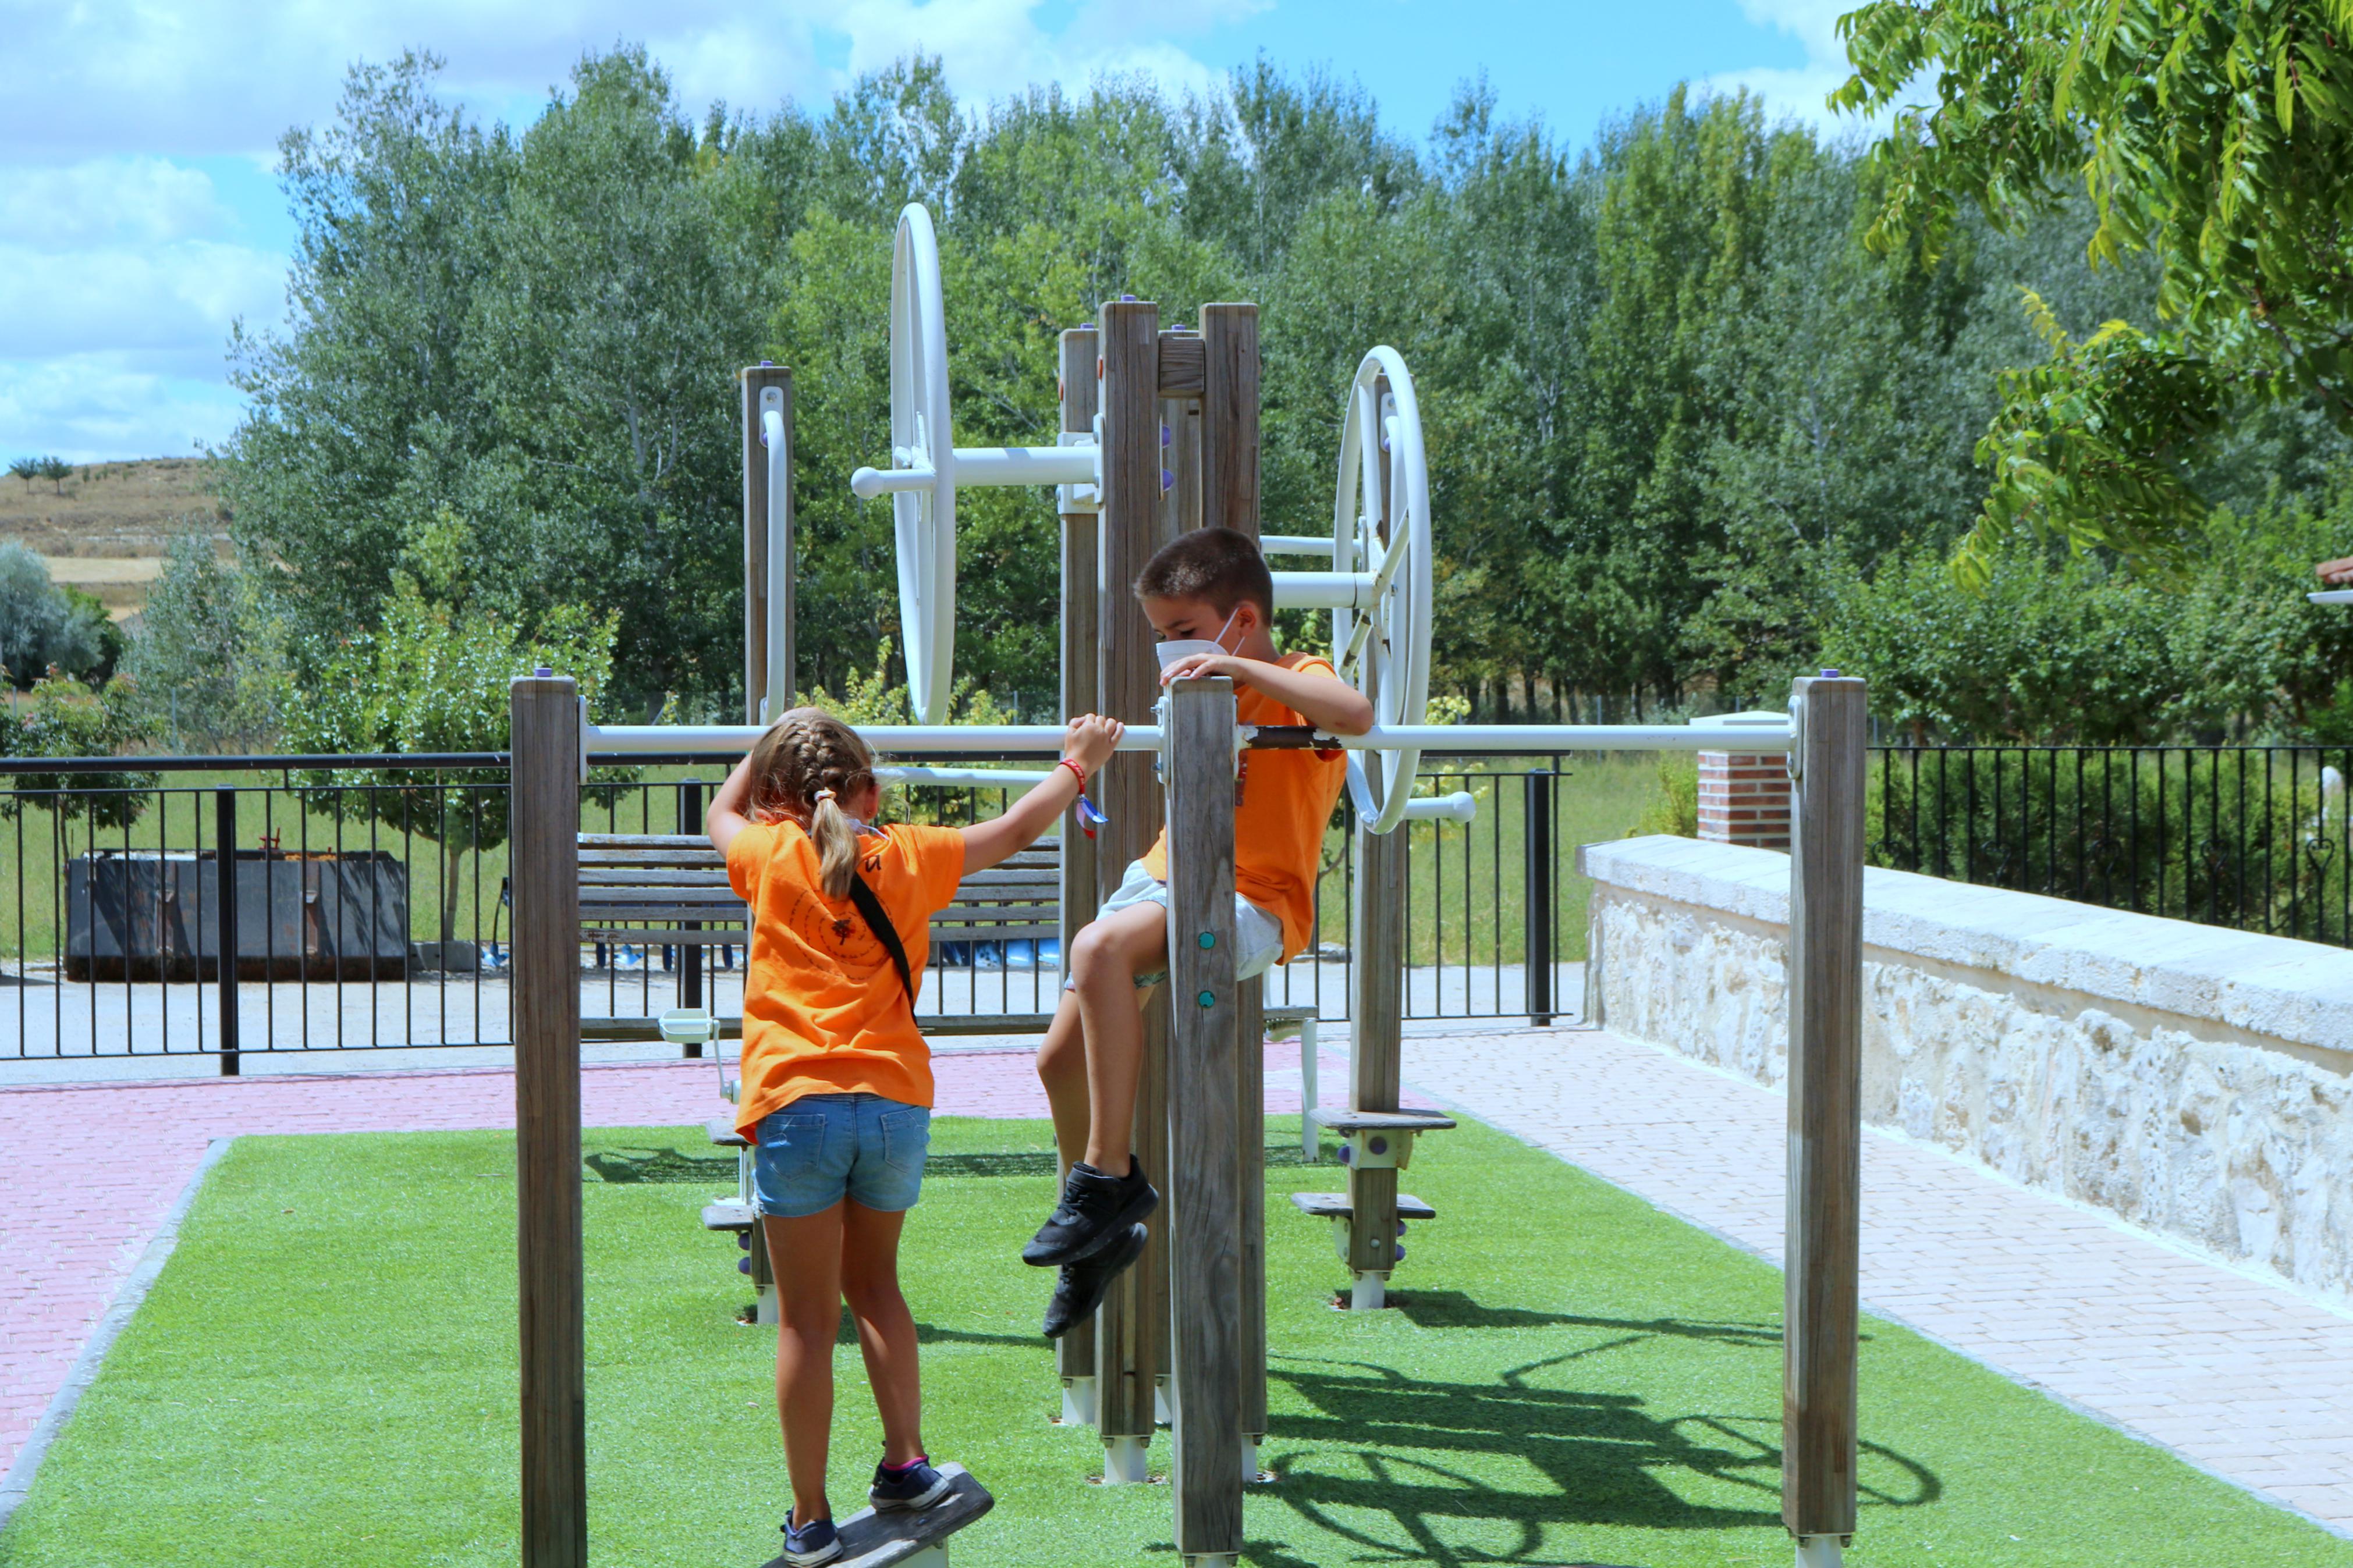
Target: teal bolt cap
{"points": [[1207, 998], [1208, 939]]}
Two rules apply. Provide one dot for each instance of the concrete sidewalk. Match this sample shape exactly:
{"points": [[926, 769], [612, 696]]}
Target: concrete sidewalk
{"points": [[2245, 1377]]}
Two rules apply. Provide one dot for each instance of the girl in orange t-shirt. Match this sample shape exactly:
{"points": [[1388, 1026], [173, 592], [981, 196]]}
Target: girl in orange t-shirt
{"points": [[837, 1080]]}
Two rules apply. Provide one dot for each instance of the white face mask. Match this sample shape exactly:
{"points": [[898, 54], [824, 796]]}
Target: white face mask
{"points": [[1186, 647]]}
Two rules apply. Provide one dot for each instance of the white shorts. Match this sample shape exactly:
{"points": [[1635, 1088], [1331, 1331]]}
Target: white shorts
{"points": [[1257, 935]]}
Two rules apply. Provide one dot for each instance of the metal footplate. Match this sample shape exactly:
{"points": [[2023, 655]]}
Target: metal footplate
{"points": [[1379, 1140], [873, 1538]]}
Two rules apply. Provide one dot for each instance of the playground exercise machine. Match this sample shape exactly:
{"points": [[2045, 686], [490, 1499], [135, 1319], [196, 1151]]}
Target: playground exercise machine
{"points": [[1160, 433]]}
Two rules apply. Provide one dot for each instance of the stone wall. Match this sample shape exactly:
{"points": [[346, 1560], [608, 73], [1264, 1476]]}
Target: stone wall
{"points": [[2194, 1081]]}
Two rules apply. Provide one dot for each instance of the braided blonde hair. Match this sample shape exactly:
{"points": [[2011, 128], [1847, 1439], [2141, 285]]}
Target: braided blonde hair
{"points": [[807, 763]]}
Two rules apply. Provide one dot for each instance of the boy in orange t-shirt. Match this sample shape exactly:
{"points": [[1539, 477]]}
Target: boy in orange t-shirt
{"points": [[837, 1080], [1212, 585]]}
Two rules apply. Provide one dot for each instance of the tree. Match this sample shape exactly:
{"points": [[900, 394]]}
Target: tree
{"points": [[57, 470], [26, 469], [433, 678], [209, 658], [2212, 133], [64, 718], [46, 629]]}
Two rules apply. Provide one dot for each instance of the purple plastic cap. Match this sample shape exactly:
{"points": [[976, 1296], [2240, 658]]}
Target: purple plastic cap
{"points": [[1127, 299], [543, 672], [767, 364], [1830, 675]]}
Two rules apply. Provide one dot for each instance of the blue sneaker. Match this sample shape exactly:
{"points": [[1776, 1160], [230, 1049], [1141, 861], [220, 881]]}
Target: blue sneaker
{"points": [[912, 1486], [807, 1545]]}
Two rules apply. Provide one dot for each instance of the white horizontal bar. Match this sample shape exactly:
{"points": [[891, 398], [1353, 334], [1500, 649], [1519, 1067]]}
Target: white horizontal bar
{"points": [[1046, 739], [1459, 807], [2332, 596], [1323, 590], [1025, 466], [868, 483], [1007, 777], [1295, 544]]}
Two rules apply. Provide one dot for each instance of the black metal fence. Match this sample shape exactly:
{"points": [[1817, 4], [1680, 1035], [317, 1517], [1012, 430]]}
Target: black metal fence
{"points": [[369, 909], [2254, 837]]}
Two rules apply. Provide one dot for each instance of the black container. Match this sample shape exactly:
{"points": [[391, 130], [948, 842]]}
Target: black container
{"points": [[152, 917]]}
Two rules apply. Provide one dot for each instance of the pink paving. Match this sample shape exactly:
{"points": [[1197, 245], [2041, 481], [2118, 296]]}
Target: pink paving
{"points": [[68, 1243]]}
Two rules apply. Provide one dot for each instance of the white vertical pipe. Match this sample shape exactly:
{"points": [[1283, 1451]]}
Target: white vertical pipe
{"points": [[780, 556]]}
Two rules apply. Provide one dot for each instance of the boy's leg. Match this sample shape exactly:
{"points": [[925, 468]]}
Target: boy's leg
{"points": [[1063, 1069], [1104, 963], [806, 1255], [886, 1329]]}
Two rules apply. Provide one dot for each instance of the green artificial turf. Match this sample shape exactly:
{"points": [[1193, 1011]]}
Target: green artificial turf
{"points": [[324, 1374]]}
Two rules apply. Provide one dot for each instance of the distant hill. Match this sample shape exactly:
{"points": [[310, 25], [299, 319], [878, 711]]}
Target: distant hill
{"points": [[104, 529]]}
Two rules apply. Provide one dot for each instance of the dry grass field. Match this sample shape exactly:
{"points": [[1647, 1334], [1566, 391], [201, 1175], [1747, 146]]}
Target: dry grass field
{"points": [[104, 529]]}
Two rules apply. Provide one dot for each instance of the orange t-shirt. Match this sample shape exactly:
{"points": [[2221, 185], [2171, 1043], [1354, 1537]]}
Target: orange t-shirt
{"points": [[1286, 800], [823, 1009]]}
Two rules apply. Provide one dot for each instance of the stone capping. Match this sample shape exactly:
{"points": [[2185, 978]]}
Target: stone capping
{"points": [[2297, 992]]}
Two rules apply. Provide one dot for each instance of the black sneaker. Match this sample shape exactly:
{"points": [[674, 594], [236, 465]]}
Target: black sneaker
{"points": [[807, 1545], [908, 1486], [1095, 1212], [1080, 1289]]}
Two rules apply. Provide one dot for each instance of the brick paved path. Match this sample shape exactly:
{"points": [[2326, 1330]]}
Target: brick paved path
{"points": [[94, 1170], [2249, 1380]]}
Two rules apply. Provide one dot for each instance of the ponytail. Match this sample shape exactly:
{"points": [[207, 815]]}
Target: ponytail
{"points": [[801, 768], [836, 837]]}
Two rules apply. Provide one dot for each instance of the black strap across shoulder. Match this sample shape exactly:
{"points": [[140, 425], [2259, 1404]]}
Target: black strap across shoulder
{"points": [[870, 909]]}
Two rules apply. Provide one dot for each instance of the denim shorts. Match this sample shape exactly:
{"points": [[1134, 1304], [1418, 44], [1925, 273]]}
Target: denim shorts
{"points": [[1257, 935], [822, 1148]]}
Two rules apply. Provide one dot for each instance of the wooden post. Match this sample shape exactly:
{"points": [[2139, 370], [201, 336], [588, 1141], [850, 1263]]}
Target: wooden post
{"points": [[1229, 410], [1074, 1352], [759, 614], [1226, 459], [1132, 1323], [1203, 1080], [1825, 967], [543, 862], [1376, 1017]]}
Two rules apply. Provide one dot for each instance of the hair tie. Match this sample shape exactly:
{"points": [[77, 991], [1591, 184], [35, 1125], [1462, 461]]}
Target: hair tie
{"points": [[822, 796]]}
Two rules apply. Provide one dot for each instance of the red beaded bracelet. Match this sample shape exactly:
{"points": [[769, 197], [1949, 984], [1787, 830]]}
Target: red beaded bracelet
{"points": [[1077, 773]]}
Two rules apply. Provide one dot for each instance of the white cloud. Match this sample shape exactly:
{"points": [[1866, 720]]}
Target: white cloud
{"points": [[102, 200], [1799, 91], [171, 303], [88, 407], [119, 270]]}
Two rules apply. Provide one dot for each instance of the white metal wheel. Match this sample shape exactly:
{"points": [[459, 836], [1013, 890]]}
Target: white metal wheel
{"points": [[924, 515], [1385, 649]]}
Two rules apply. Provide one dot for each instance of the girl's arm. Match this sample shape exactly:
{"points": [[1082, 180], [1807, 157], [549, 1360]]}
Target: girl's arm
{"points": [[1327, 701], [726, 816], [1088, 742]]}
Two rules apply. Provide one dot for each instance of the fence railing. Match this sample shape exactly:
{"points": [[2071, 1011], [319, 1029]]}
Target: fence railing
{"points": [[2254, 837], [368, 908]]}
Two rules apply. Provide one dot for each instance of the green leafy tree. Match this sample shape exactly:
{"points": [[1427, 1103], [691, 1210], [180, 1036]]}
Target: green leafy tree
{"points": [[26, 469], [46, 629], [432, 678], [57, 470], [60, 717], [2213, 135], [209, 656]]}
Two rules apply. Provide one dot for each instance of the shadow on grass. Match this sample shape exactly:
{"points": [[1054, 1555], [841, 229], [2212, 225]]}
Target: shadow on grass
{"points": [[1379, 1439], [933, 1334]]}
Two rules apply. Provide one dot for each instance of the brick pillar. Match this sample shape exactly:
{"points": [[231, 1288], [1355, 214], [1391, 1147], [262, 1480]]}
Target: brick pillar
{"points": [[1744, 798]]}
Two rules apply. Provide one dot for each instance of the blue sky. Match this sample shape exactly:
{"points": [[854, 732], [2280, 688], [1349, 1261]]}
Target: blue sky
{"points": [[139, 216]]}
